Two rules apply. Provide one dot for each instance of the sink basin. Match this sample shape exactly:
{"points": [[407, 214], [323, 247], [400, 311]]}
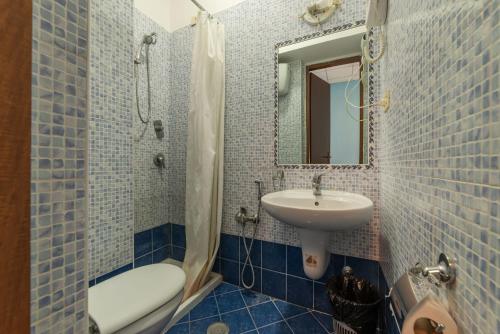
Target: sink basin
{"points": [[315, 215], [330, 211]]}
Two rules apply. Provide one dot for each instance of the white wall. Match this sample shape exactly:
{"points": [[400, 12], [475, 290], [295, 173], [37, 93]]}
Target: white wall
{"points": [[175, 14]]}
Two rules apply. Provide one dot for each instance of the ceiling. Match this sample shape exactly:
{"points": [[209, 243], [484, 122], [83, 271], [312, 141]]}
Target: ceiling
{"points": [[340, 73], [175, 14], [337, 45]]}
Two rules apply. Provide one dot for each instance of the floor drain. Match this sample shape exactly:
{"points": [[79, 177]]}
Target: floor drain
{"points": [[218, 328]]}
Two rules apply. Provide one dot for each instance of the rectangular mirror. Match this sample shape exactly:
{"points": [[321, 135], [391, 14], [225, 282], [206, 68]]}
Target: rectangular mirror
{"points": [[322, 91]]}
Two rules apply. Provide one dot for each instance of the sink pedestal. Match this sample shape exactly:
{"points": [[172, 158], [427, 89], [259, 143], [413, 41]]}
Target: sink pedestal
{"points": [[315, 254]]}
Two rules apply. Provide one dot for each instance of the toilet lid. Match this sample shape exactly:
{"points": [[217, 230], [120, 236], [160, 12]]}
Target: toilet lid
{"points": [[125, 298]]}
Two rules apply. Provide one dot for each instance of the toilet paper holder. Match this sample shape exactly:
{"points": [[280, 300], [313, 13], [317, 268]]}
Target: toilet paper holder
{"points": [[445, 271]]}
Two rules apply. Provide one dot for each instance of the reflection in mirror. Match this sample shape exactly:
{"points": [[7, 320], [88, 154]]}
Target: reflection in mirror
{"points": [[321, 94]]}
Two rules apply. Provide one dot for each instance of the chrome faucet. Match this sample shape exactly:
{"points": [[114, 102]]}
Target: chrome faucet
{"points": [[316, 183]]}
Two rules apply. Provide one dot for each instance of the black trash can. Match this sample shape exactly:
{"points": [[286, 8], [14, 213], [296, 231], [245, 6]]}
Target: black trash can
{"points": [[355, 302]]}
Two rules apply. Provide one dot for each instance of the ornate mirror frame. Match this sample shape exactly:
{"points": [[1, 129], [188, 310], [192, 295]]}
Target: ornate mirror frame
{"points": [[371, 100]]}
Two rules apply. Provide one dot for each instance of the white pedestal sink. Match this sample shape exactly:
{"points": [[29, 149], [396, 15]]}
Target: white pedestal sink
{"points": [[315, 216]]}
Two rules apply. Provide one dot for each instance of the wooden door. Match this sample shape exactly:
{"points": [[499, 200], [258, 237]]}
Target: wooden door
{"points": [[15, 124], [319, 107]]}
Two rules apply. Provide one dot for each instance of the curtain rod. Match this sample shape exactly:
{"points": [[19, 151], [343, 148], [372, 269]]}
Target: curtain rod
{"points": [[197, 4]]}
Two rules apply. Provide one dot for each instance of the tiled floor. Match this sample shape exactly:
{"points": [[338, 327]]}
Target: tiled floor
{"points": [[249, 312]]}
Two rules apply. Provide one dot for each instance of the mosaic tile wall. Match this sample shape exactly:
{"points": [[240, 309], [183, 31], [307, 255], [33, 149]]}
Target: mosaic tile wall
{"points": [[150, 182], [252, 29], [439, 149], [292, 117], [111, 224], [59, 123]]}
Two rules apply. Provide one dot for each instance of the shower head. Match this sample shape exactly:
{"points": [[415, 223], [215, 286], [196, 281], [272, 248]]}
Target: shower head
{"points": [[146, 40], [149, 39]]}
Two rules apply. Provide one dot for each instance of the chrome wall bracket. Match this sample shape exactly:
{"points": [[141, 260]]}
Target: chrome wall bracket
{"points": [[159, 160], [445, 271]]}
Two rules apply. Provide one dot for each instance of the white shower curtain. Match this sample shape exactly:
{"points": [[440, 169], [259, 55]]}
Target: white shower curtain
{"points": [[205, 153]]}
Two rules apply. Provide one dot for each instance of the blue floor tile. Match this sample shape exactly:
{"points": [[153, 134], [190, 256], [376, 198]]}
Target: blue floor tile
{"points": [[305, 324], [225, 288], [207, 308], [265, 314], [179, 329], [230, 301], [200, 326], [276, 328], [238, 321], [289, 310], [324, 319], [253, 298], [184, 319]]}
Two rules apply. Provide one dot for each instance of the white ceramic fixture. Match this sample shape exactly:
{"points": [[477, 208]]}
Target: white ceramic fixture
{"points": [[142, 300], [315, 216]]}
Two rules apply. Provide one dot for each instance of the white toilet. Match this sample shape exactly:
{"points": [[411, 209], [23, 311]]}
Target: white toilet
{"points": [[141, 300]]}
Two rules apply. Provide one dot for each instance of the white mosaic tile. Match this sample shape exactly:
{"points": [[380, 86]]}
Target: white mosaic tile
{"points": [[111, 224], [439, 149], [58, 201], [151, 183], [252, 30]]}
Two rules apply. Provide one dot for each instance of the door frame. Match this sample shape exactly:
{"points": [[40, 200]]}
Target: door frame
{"points": [[15, 147], [336, 62]]}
